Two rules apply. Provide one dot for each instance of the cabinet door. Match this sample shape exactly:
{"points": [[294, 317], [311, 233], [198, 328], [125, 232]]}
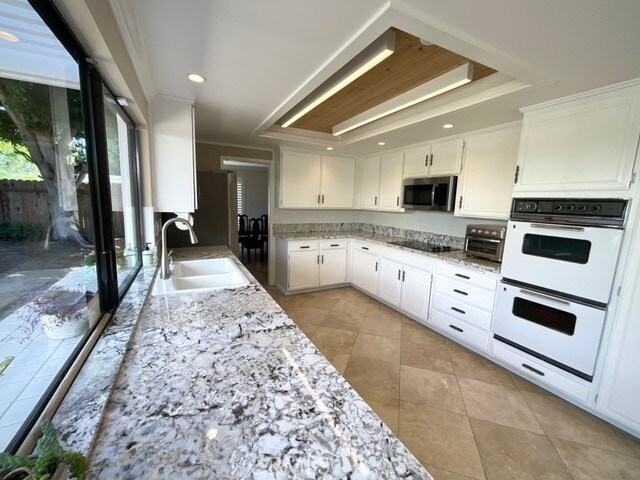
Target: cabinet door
{"points": [[587, 144], [486, 183], [369, 182], [365, 271], [391, 181], [416, 162], [416, 288], [446, 158], [333, 267], [336, 181], [174, 169], [303, 270], [390, 281], [300, 180]]}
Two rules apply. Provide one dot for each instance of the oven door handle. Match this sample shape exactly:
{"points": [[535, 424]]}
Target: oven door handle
{"points": [[557, 227], [433, 195], [544, 297]]}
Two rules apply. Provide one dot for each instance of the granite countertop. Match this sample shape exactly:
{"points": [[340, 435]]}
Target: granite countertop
{"points": [[458, 257], [224, 385]]}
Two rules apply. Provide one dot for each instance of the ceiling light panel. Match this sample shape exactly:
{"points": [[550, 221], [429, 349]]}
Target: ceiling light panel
{"points": [[439, 85], [362, 63]]}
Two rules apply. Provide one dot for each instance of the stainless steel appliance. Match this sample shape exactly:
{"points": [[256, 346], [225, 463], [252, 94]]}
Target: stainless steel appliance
{"points": [[558, 266], [432, 193], [485, 241]]}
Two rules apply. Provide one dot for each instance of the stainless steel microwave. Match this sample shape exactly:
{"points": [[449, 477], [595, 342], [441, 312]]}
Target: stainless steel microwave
{"points": [[432, 193]]}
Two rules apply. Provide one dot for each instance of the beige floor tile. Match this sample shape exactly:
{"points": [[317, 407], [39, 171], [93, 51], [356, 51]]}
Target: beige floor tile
{"points": [[343, 321], [590, 463], [334, 340], [525, 385], [412, 331], [318, 300], [498, 404], [440, 474], [351, 306], [337, 359], [387, 408], [350, 293], [372, 375], [471, 365], [438, 390], [308, 328], [440, 438], [374, 346], [377, 309], [430, 355], [381, 325], [307, 314], [509, 453], [564, 421]]}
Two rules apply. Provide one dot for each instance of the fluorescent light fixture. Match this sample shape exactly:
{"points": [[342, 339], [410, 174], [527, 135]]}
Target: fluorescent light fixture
{"points": [[447, 125], [382, 143], [9, 37], [195, 78], [439, 85], [371, 56], [329, 148]]}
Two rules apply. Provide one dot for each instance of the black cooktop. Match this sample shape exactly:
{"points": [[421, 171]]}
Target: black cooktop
{"points": [[425, 246]]}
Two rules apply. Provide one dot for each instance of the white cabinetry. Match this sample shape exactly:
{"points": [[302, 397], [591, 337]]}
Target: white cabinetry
{"points": [[311, 264], [584, 144], [174, 160], [486, 183], [439, 158], [381, 182], [405, 281], [462, 303], [310, 180], [364, 266]]}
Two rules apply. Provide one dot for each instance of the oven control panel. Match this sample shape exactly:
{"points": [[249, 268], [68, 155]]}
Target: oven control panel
{"points": [[597, 211]]}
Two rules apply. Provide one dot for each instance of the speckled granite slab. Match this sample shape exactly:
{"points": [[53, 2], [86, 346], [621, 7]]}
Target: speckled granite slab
{"points": [[224, 385], [459, 258]]}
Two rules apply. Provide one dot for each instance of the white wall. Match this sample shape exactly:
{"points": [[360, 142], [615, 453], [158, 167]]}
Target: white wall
{"points": [[256, 191]]}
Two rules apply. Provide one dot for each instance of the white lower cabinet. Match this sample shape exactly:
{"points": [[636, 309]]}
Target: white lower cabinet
{"points": [[333, 265], [303, 270], [311, 264], [364, 267], [462, 303]]}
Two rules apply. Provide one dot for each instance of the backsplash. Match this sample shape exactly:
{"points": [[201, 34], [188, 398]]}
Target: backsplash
{"points": [[436, 238]]}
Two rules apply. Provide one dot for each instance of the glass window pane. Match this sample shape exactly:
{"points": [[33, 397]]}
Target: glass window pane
{"points": [[122, 180], [48, 283]]}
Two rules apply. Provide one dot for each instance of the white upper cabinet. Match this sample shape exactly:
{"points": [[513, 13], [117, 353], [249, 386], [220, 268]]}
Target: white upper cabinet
{"points": [[439, 158], [310, 180], [584, 144], [174, 160], [381, 182], [486, 183]]}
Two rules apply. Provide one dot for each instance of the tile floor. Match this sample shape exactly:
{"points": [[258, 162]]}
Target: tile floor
{"points": [[462, 416]]}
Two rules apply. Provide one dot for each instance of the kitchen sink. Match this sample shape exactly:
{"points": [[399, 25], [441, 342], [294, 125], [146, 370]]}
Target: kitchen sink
{"points": [[196, 276]]}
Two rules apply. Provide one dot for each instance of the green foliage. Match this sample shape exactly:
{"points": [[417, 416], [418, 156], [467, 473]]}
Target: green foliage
{"points": [[48, 455], [14, 163], [21, 231]]}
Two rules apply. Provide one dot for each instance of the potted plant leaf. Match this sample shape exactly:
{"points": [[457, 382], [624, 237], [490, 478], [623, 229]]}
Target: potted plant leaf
{"points": [[49, 461]]}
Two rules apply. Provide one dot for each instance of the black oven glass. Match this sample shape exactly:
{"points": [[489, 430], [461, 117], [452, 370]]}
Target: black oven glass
{"points": [[572, 250], [549, 317], [419, 195], [482, 246]]}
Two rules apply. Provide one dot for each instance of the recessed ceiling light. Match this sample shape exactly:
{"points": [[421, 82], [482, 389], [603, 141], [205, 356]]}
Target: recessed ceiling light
{"points": [[329, 148], [447, 125], [194, 77], [382, 143], [8, 37]]}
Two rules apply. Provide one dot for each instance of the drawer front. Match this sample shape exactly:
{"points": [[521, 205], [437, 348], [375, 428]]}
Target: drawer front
{"points": [[465, 292], [535, 369], [461, 330], [301, 245], [476, 278], [333, 244], [463, 311], [367, 247]]}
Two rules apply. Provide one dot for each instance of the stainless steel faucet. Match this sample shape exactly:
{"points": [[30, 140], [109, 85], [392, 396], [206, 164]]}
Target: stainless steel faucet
{"points": [[164, 262]]}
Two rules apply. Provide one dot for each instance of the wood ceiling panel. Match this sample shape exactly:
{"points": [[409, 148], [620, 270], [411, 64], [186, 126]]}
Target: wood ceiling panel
{"points": [[411, 65]]}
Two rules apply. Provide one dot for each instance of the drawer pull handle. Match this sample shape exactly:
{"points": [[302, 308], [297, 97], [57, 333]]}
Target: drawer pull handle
{"points": [[534, 370], [463, 276], [365, 248], [304, 246], [458, 310], [460, 292], [457, 329], [335, 244]]}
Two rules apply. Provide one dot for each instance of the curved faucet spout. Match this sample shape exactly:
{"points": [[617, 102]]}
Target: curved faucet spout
{"points": [[165, 269]]}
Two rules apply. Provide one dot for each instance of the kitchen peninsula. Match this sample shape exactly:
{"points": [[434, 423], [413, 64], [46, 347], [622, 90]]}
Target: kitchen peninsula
{"points": [[224, 385]]}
